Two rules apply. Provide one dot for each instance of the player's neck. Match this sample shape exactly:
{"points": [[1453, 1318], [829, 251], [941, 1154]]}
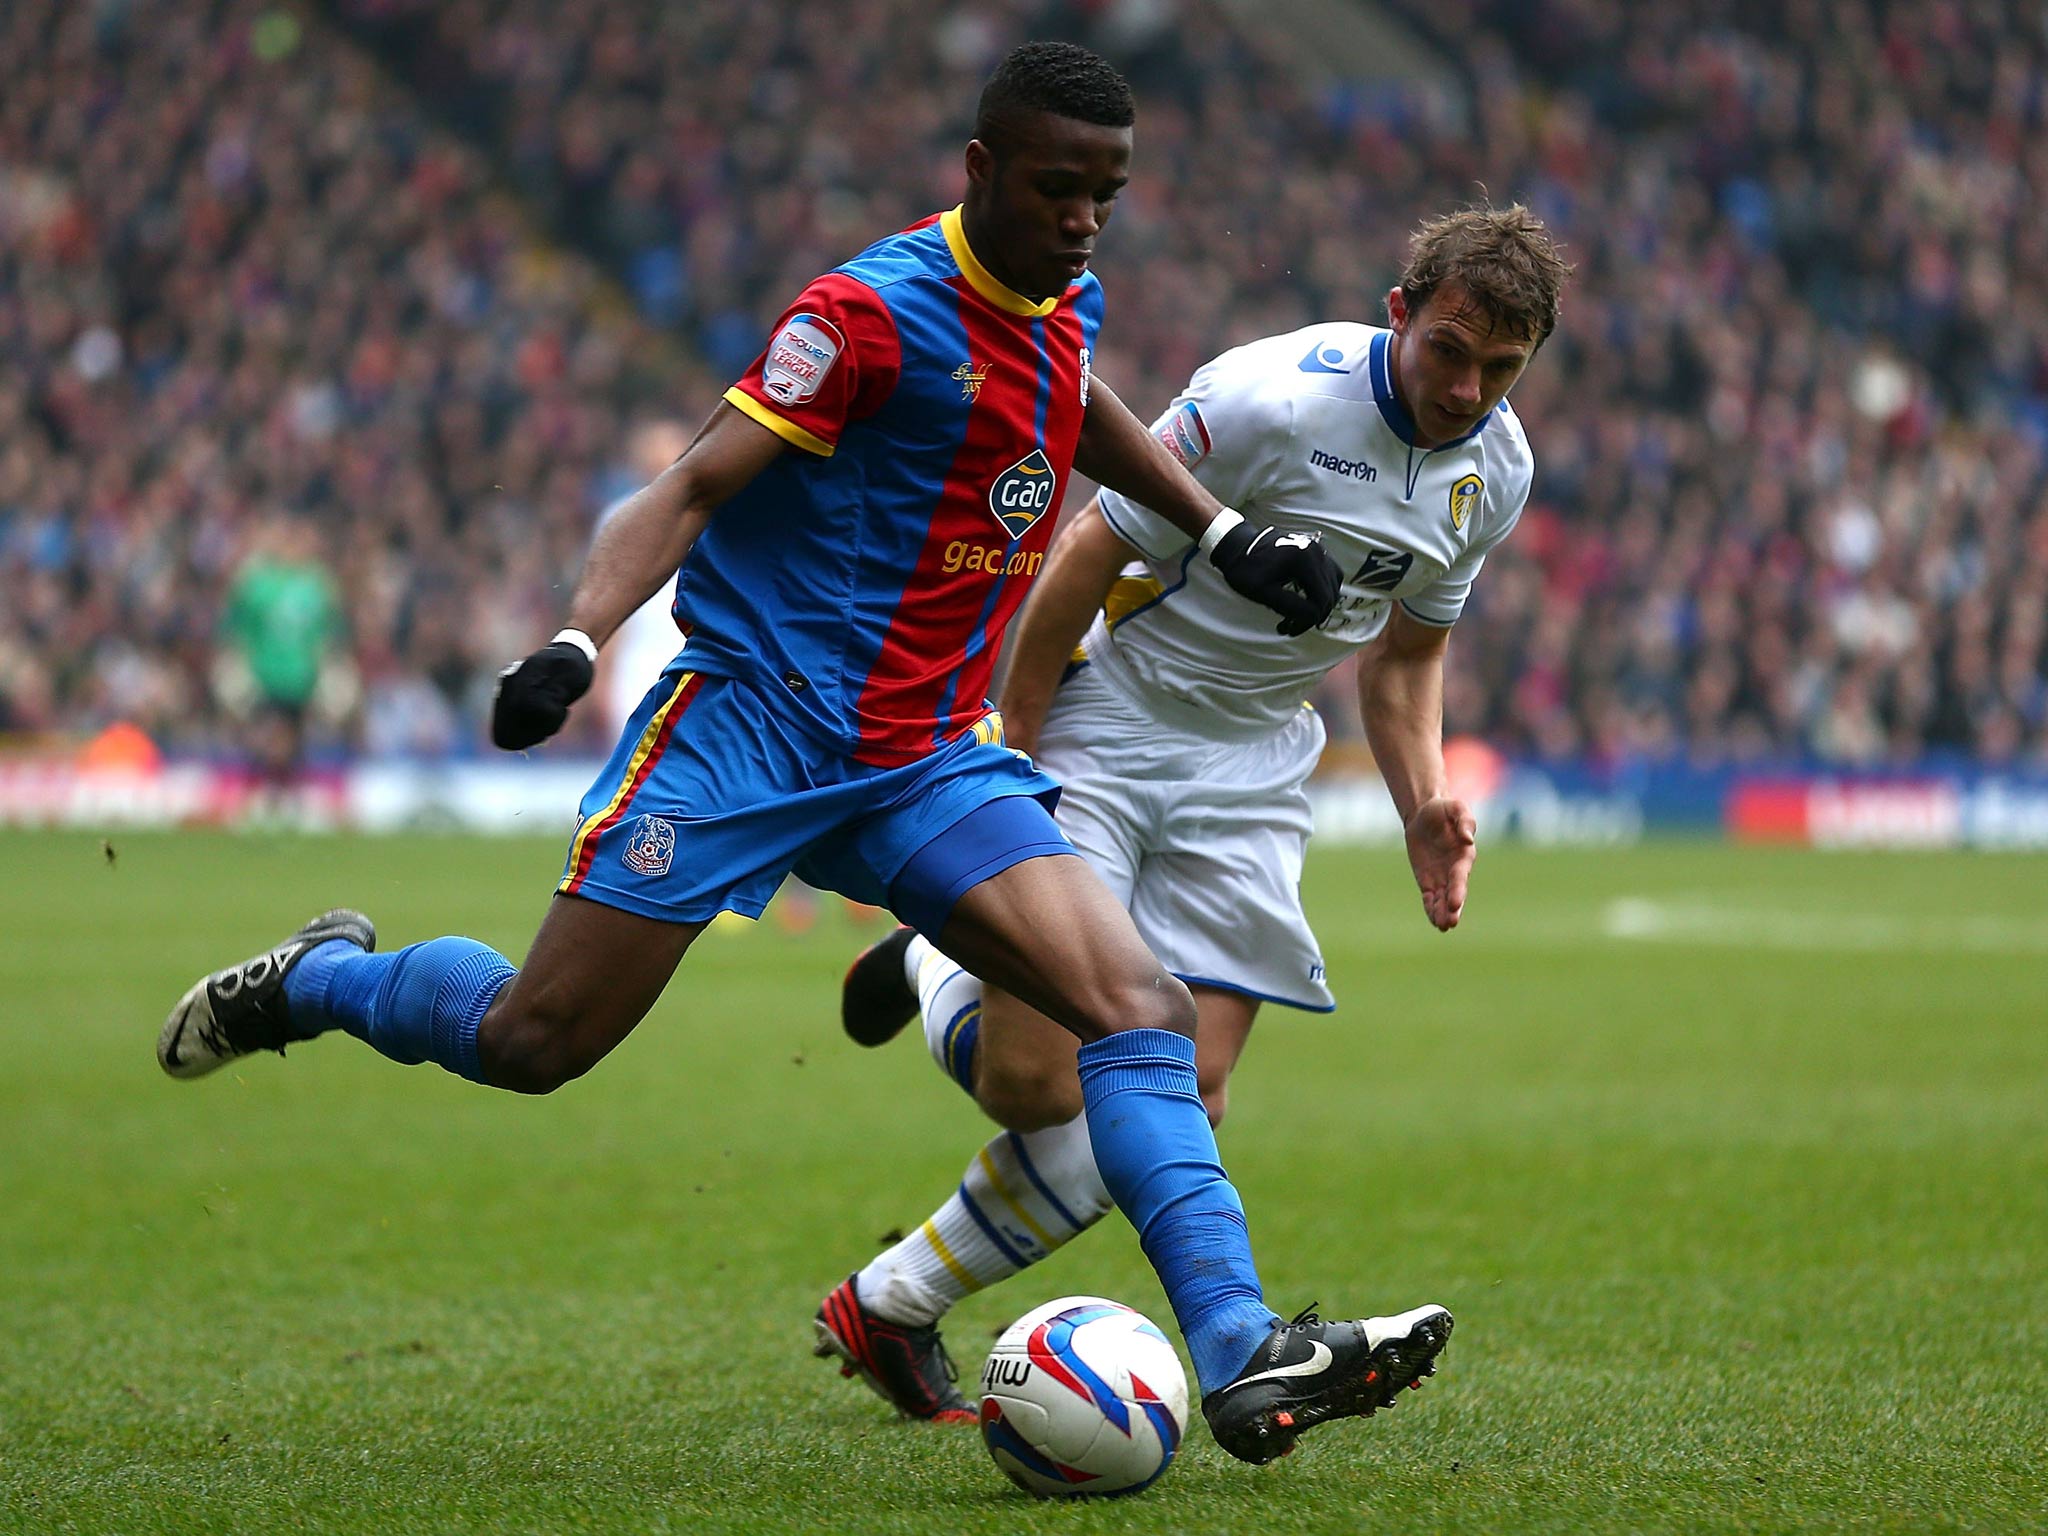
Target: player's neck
{"points": [[986, 251], [1416, 437]]}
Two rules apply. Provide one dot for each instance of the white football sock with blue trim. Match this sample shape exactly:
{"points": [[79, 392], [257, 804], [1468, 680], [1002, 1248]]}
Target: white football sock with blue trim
{"points": [[950, 1000], [1024, 1195]]}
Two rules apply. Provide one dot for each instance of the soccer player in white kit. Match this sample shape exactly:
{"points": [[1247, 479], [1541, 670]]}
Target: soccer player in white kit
{"points": [[1178, 728]]}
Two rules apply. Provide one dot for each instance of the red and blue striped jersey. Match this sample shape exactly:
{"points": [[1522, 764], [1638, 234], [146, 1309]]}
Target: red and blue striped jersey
{"points": [[868, 578]]}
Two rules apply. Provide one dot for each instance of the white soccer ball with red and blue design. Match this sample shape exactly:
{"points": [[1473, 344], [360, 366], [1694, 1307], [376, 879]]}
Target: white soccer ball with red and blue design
{"points": [[1083, 1396]]}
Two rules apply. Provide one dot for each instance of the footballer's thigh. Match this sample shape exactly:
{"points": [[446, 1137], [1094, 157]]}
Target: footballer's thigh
{"points": [[1223, 1024], [1025, 1077], [1048, 931], [703, 806], [592, 973]]}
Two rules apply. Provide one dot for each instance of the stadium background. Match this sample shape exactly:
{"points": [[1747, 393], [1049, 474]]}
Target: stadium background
{"points": [[441, 281], [1732, 1160]]}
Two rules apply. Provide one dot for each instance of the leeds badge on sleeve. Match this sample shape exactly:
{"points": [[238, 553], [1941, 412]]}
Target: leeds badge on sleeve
{"points": [[1465, 499]]}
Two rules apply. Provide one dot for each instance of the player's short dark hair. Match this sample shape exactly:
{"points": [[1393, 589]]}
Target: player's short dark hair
{"points": [[1503, 257], [1064, 79]]}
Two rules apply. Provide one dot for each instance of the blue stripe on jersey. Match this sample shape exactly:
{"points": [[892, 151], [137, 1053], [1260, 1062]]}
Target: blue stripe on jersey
{"points": [[803, 569], [1044, 380], [978, 641], [895, 519]]}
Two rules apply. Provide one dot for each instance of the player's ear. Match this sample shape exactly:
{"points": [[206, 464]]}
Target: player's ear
{"points": [[1397, 307], [981, 165]]}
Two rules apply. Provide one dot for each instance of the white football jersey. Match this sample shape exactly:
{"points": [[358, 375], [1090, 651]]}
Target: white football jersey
{"points": [[1301, 431]]}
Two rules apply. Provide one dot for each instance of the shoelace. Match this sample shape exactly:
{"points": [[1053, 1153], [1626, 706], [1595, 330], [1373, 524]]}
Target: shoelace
{"points": [[214, 1035], [1306, 1317], [938, 1345]]}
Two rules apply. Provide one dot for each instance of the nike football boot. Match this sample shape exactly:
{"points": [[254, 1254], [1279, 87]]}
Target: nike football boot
{"points": [[242, 1009], [1309, 1371]]}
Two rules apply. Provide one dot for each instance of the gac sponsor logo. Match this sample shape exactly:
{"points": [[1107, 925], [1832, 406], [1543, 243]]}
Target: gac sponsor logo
{"points": [[1023, 493], [992, 558], [1357, 469]]}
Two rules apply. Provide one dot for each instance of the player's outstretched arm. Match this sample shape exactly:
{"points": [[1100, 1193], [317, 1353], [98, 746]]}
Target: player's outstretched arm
{"points": [[1401, 699], [637, 551], [1291, 573], [1084, 563]]}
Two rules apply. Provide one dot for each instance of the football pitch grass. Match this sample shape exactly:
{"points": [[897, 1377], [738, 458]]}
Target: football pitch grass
{"points": [[1733, 1166]]}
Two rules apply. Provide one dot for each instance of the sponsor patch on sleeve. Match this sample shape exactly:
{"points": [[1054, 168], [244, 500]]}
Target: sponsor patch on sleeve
{"points": [[801, 355], [1185, 434]]}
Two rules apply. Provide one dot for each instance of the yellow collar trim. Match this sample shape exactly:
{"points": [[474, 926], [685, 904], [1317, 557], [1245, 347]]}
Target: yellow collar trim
{"points": [[981, 280]]}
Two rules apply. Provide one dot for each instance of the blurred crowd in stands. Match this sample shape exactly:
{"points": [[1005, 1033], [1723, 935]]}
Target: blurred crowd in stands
{"points": [[401, 283]]}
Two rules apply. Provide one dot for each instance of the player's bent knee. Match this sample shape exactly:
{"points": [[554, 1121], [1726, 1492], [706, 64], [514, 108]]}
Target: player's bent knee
{"points": [[1030, 1101], [1160, 1001], [526, 1053]]}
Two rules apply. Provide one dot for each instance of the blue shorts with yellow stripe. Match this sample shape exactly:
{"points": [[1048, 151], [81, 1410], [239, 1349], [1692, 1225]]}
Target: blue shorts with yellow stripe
{"points": [[712, 796]]}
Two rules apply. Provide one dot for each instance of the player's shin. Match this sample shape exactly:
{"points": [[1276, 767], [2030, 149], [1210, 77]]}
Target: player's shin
{"points": [[1023, 1195], [421, 1003], [949, 999], [1158, 1159]]}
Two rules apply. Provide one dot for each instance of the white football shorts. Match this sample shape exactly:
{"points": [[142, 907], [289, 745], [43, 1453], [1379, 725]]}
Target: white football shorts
{"points": [[1202, 840]]}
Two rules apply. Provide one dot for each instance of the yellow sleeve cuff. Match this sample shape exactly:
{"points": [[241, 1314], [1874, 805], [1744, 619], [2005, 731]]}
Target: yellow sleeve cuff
{"points": [[788, 431]]}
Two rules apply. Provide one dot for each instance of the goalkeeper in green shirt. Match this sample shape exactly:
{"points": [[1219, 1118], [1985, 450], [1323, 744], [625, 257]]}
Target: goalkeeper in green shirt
{"points": [[279, 661]]}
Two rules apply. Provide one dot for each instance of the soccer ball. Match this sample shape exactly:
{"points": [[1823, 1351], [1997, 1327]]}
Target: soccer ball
{"points": [[1083, 1396]]}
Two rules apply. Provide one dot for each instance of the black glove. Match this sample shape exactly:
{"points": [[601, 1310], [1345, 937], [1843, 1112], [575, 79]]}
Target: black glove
{"points": [[1291, 573], [534, 695]]}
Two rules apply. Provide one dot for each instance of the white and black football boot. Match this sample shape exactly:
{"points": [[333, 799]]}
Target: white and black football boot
{"points": [[1309, 1371], [876, 999], [242, 1009]]}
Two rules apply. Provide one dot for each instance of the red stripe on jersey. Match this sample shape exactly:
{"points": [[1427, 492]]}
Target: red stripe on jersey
{"points": [[1063, 414], [940, 612]]}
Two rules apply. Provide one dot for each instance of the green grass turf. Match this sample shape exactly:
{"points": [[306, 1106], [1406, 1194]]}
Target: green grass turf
{"points": [[1733, 1165]]}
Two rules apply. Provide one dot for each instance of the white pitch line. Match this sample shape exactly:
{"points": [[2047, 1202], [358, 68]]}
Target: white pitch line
{"points": [[1640, 918]]}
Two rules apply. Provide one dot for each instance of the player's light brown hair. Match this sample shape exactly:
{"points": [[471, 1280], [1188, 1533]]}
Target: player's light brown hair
{"points": [[1503, 257]]}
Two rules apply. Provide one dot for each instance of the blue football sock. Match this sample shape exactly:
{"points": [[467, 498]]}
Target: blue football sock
{"points": [[420, 1003], [1157, 1156]]}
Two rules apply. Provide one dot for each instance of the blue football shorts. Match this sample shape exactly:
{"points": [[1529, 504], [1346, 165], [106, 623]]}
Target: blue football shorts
{"points": [[712, 797]]}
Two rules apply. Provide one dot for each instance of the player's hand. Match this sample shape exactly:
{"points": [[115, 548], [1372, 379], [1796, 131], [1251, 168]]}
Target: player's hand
{"points": [[1291, 573], [1443, 840], [534, 695]]}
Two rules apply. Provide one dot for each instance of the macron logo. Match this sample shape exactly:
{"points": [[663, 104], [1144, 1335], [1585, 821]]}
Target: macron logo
{"points": [[1357, 469]]}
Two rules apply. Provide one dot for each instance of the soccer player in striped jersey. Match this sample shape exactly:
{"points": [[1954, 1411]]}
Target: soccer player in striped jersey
{"points": [[855, 526], [1173, 717]]}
